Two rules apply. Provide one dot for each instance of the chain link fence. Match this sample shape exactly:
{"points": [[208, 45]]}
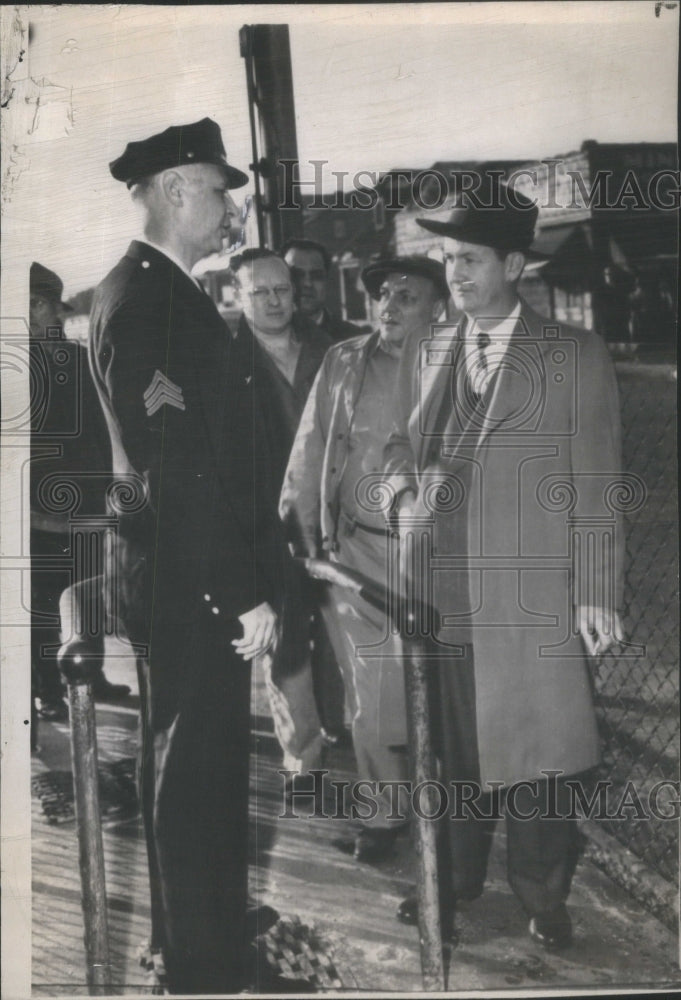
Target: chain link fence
{"points": [[638, 690]]}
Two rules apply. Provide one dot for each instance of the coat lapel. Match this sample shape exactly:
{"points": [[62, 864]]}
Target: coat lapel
{"points": [[519, 385], [439, 361]]}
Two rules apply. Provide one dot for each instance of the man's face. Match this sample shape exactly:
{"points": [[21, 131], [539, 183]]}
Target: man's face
{"points": [[207, 209], [266, 295], [481, 284], [309, 278], [42, 314], [408, 304]]}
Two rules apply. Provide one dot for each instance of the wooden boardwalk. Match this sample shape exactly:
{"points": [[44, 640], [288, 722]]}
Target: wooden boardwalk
{"points": [[337, 916]]}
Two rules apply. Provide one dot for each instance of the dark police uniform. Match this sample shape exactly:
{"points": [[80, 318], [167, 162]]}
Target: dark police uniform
{"points": [[197, 544]]}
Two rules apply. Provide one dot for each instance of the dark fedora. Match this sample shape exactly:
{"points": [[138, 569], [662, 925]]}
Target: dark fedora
{"points": [[200, 142], [375, 274], [48, 285], [493, 214]]}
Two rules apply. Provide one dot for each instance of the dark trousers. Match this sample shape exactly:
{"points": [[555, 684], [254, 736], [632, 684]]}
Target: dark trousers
{"points": [[194, 793], [541, 852]]}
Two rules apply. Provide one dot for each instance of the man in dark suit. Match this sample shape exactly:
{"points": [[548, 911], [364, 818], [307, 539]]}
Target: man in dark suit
{"points": [[196, 566], [310, 264], [505, 456]]}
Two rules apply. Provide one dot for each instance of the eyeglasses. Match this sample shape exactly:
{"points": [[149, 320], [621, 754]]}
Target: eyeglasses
{"points": [[261, 294]]}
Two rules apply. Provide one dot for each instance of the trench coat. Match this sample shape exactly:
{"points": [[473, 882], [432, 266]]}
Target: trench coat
{"points": [[518, 500], [310, 499]]}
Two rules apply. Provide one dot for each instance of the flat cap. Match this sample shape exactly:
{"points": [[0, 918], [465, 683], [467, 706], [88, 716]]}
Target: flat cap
{"points": [[199, 142], [375, 274], [47, 284], [492, 214]]}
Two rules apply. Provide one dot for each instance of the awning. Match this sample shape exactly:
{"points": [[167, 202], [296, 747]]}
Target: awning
{"points": [[567, 255]]}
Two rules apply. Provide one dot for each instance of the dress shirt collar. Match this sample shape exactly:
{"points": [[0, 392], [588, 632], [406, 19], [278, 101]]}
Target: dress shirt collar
{"points": [[499, 334]]}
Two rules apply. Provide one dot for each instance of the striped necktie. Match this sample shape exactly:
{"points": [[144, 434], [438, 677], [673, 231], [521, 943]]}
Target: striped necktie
{"points": [[479, 372]]}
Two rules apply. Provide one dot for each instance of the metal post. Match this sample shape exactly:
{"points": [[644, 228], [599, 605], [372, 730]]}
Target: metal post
{"points": [[415, 620], [267, 52], [80, 659]]}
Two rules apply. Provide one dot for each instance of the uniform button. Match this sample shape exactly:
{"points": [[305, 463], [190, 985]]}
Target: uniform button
{"points": [[145, 264], [216, 611], [206, 597]]}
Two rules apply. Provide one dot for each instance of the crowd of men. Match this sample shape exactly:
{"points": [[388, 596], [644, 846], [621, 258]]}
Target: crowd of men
{"points": [[247, 448]]}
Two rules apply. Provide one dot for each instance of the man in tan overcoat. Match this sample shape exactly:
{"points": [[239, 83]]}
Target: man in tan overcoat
{"points": [[505, 456]]}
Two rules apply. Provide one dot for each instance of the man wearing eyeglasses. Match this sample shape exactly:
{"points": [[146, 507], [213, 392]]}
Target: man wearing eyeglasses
{"points": [[287, 353]]}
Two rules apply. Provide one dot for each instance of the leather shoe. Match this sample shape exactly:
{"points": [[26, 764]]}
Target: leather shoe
{"points": [[259, 919], [408, 913], [104, 690], [552, 930]]}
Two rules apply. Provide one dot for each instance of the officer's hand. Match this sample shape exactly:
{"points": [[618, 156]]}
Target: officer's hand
{"points": [[260, 632], [599, 628]]}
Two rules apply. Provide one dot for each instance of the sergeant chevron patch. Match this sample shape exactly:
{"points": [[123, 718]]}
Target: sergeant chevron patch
{"points": [[162, 390]]}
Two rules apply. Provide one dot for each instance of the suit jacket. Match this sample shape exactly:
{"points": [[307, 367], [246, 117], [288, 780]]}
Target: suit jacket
{"points": [[516, 498], [196, 526]]}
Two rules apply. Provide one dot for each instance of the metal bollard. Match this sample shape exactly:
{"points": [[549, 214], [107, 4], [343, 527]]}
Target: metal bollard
{"points": [[80, 658], [414, 620]]}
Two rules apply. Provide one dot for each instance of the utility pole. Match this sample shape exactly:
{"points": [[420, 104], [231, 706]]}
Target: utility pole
{"points": [[267, 54]]}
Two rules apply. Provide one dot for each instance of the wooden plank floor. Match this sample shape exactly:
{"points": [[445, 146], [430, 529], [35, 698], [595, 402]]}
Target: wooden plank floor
{"points": [[343, 911]]}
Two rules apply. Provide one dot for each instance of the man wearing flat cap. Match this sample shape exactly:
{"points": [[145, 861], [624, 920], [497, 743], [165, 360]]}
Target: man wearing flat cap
{"points": [[505, 445], [326, 504], [195, 568]]}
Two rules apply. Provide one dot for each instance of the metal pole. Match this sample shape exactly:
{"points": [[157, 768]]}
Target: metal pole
{"points": [[267, 51], [80, 659], [422, 769], [415, 620], [246, 49]]}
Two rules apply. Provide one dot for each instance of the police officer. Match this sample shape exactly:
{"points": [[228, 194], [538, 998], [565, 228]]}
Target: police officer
{"points": [[196, 567]]}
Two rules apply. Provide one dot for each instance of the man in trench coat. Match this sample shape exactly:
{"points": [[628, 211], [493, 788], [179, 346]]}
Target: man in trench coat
{"points": [[329, 505], [197, 562], [505, 454]]}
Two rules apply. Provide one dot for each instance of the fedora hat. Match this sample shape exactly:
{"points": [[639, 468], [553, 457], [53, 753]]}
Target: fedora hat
{"points": [[48, 285], [491, 214]]}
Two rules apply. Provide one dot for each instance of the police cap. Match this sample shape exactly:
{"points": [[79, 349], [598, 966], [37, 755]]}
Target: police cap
{"points": [[199, 142]]}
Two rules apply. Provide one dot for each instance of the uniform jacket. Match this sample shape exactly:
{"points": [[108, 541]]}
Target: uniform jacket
{"points": [[196, 509], [517, 500], [309, 500]]}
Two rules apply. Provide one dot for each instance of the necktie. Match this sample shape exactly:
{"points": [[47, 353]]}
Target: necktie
{"points": [[479, 368]]}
